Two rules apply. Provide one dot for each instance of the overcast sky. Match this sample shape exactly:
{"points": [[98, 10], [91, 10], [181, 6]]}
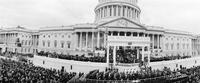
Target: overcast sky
{"points": [[172, 14]]}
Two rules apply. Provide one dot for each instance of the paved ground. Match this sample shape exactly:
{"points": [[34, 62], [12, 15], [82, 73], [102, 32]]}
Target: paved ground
{"points": [[85, 67]]}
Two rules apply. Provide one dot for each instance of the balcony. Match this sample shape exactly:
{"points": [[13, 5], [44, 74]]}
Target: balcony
{"points": [[128, 41]]}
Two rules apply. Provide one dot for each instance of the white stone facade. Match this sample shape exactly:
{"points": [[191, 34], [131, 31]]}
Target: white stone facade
{"points": [[116, 19], [17, 39]]}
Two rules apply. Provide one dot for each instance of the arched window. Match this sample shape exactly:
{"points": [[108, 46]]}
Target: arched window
{"points": [[26, 42], [119, 11], [22, 42], [178, 45], [115, 10], [105, 12], [110, 10], [68, 44], [167, 46], [48, 43], [30, 42], [62, 44], [172, 46], [123, 11], [55, 43], [43, 43]]}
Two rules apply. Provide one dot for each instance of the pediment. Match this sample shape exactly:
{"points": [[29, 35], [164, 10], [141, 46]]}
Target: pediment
{"points": [[123, 23]]}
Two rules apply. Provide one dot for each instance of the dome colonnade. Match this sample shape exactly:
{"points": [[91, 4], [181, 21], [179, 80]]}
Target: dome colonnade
{"points": [[107, 9]]}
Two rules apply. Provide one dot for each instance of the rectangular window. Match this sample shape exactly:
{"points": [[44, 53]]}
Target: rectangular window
{"points": [[43, 43], [123, 11], [26, 42], [62, 44], [178, 46], [119, 11], [22, 42], [183, 46], [69, 45], [55, 43], [48, 43], [110, 11], [167, 46], [29, 42], [115, 10]]}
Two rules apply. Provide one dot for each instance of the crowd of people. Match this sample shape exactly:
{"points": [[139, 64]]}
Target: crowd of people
{"points": [[83, 58], [148, 75], [20, 72], [122, 56], [167, 58], [127, 56]]}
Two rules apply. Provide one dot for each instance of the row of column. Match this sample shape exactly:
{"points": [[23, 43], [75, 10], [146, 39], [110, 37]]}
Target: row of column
{"points": [[115, 50], [7, 36], [156, 39], [117, 10], [129, 1], [95, 39]]}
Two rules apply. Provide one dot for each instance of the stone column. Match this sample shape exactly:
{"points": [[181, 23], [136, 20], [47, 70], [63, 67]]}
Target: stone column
{"points": [[86, 41], [125, 12], [158, 46], [98, 39], [96, 14], [117, 10], [114, 56], [131, 15], [108, 11], [128, 10], [76, 38], [121, 12], [138, 53], [162, 42], [99, 13], [81, 35], [103, 12], [112, 10], [92, 40], [136, 15], [153, 42], [104, 38], [143, 53], [108, 54], [149, 54]]}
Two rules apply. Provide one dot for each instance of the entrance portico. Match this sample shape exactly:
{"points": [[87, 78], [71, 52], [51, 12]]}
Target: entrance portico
{"points": [[141, 44]]}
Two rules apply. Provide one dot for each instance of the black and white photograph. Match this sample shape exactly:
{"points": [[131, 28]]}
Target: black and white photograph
{"points": [[99, 41]]}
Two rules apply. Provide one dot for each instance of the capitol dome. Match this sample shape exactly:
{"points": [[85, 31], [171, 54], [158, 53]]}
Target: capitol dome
{"points": [[107, 10]]}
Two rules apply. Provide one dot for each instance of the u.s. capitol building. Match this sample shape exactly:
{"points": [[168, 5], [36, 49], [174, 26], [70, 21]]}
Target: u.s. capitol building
{"points": [[117, 26]]}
